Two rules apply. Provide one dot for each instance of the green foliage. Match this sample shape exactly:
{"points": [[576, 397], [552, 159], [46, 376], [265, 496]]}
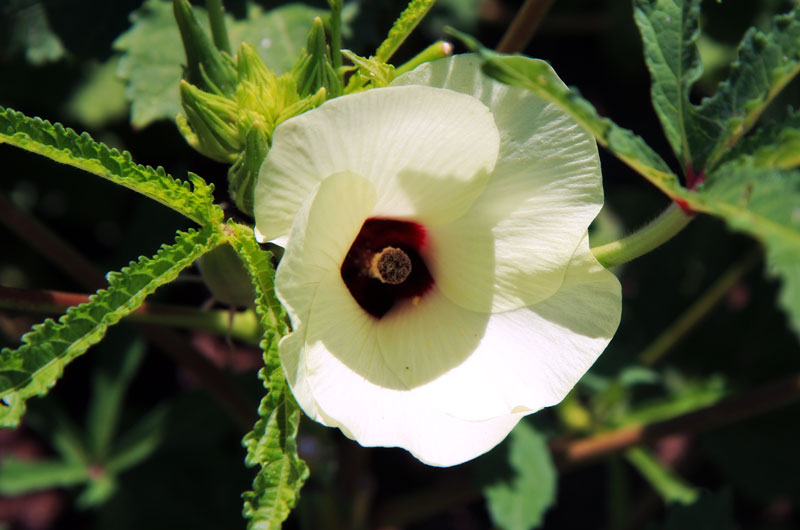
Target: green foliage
{"points": [[701, 135], [195, 200], [766, 63], [35, 366], [774, 145], [18, 476], [402, 28], [519, 503], [669, 31], [100, 98], [24, 28], [272, 442], [152, 53], [764, 203]]}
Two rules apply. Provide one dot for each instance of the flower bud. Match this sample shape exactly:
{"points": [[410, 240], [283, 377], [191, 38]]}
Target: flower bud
{"points": [[214, 121]]}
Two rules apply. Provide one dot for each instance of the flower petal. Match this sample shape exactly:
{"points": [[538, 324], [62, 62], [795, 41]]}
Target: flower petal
{"points": [[325, 227], [346, 383], [427, 151], [510, 249], [525, 359]]}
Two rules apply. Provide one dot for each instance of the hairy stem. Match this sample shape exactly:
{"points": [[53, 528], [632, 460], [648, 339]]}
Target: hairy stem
{"points": [[649, 237], [524, 25], [699, 309]]}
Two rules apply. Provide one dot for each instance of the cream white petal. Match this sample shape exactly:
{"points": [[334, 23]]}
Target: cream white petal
{"points": [[510, 249], [522, 360], [324, 228], [353, 387], [427, 151]]}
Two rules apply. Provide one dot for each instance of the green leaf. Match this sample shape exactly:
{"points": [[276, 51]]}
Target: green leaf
{"points": [[538, 77], [35, 366], [195, 200], [100, 98], [711, 510], [152, 53], [669, 30], [762, 202], [402, 28], [766, 63], [22, 476], [670, 486], [521, 502], [775, 145], [272, 442], [24, 28]]}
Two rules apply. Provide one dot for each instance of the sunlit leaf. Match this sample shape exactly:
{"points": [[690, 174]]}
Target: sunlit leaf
{"points": [[195, 200], [272, 443]]}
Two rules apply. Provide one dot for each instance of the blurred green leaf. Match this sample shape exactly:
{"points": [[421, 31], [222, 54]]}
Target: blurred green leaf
{"points": [[100, 98], [520, 502], [34, 367], [112, 376], [713, 510], [24, 28], [140, 441], [22, 476], [152, 53], [670, 486]]}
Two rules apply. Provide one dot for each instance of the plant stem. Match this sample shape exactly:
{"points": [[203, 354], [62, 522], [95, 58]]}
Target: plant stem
{"points": [[437, 50], [336, 33], [651, 236], [242, 325], [570, 453], [699, 309], [216, 17], [524, 25]]}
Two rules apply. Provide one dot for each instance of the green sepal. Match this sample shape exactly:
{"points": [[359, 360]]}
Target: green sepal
{"points": [[243, 173], [206, 66], [213, 120], [371, 73], [226, 277], [314, 69]]}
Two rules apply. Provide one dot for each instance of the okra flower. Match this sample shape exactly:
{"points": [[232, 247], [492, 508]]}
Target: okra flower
{"points": [[437, 272]]}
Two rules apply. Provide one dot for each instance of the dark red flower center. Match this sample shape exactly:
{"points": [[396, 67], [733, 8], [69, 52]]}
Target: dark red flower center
{"points": [[384, 265]]}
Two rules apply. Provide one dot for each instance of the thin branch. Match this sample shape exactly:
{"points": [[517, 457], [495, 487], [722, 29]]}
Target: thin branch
{"points": [[524, 25], [570, 453], [240, 325], [170, 342]]}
